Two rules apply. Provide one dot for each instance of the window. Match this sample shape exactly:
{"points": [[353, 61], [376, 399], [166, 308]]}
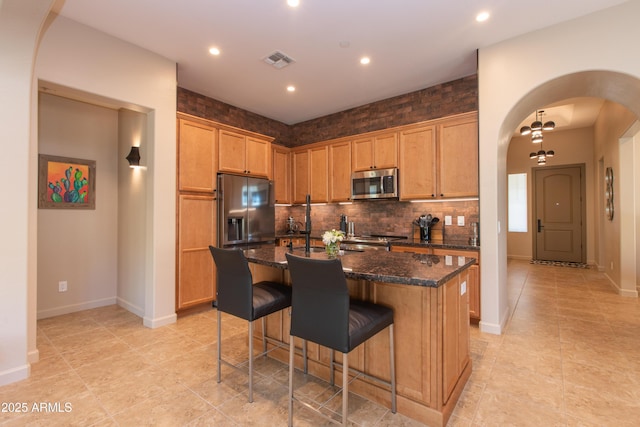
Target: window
{"points": [[517, 189]]}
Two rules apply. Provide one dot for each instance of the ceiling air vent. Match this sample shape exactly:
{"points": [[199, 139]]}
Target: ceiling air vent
{"points": [[279, 60]]}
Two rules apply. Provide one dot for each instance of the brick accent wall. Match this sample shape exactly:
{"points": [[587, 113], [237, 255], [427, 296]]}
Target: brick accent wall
{"points": [[208, 108], [384, 217], [446, 99], [455, 97]]}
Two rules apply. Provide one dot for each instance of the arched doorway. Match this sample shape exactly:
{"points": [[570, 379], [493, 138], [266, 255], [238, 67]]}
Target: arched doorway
{"points": [[623, 89]]}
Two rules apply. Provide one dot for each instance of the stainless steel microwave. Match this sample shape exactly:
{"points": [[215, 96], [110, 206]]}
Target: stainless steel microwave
{"points": [[374, 184]]}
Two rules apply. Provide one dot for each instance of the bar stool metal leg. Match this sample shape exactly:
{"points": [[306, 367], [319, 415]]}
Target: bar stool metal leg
{"points": [[332, 366], [250, 362], [291, 360], [218, 344], [392, 370], [345, 387], [264, 335], [304, 357]]}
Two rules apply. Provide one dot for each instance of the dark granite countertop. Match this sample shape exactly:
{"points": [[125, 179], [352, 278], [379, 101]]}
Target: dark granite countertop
{"points": [[446, 244], [388, 267], [410, 242]]}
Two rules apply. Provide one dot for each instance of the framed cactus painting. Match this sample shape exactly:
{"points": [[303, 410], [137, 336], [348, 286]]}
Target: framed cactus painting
{"points": [[66, 183]]}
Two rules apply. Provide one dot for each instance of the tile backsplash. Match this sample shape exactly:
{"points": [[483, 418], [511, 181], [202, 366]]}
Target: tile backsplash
{"points": [[384, 217]]}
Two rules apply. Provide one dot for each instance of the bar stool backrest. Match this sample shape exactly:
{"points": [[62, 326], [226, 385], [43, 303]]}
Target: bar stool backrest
{"points": [[234, 293], [319, 302]]}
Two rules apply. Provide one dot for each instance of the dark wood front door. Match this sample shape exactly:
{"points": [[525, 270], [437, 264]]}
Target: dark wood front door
{"points": [[559, 213]]}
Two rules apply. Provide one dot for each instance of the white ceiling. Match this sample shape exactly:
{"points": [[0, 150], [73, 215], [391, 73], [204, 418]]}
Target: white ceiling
{"points": [[413, 44]]}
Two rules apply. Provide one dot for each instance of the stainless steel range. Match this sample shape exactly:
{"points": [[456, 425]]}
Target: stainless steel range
{"points": [[369, 242]]}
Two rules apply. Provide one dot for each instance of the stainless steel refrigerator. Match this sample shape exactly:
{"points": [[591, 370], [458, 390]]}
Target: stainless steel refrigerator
{"points": [[246, 212]]}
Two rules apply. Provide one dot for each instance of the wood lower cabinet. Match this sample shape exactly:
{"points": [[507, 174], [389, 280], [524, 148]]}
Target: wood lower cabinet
{"points": [[298, 241], [473, 282], [195, 266]]}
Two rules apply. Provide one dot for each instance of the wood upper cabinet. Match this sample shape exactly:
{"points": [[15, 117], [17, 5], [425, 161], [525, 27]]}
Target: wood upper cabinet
{"points": [[310, 169], [440, 160], [244, 154], [375, 152], [417, 163], [282, 174], [197, 156], [458, 157], [319, 174], [300, 172], [196, 269], [340, 172]]}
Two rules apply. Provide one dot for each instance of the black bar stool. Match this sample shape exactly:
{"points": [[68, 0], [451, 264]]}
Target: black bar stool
{"points": [[237, 295], [322, 312]]}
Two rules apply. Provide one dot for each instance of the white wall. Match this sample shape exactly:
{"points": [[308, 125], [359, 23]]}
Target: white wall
{"points": [[591, 56], [574, 146], [85, 61], [132, 212], [20, 24], [614, 120], [79, 59], [78, 245]]}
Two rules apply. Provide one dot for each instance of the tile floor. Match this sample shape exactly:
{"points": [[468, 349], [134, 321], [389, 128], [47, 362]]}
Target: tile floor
{"points": [[570, 356]]}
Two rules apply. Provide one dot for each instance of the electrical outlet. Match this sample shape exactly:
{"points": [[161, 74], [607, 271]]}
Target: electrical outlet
{"points": [[447, 220], [463, 288], [62, 286], [460, 220]]}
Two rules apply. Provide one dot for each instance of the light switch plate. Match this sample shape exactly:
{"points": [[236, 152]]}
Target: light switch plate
{"points": [[460, 220], [463, 288], [447, 220]]}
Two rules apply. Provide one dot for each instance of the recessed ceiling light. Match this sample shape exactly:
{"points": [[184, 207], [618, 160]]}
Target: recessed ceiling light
{"points": [[293, 3], [482, 16], [291, 88], [365, 60], [214, 51]]}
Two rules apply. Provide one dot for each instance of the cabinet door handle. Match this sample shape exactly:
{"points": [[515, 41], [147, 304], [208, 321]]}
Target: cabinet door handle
{"points": [[540, 226]]}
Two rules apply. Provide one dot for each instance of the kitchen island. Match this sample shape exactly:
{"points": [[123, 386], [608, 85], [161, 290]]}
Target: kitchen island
{"points": [[430, 300]]}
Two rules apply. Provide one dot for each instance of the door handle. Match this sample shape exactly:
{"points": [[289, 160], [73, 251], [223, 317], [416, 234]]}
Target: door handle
{"points": [[540, 226]]}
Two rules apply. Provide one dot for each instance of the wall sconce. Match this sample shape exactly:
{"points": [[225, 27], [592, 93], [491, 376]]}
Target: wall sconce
{"points": [[134, 157]]}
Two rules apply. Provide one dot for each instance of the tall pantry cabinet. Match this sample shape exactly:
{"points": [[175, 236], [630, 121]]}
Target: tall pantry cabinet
{"points": [[196, 212], [205, 148]]}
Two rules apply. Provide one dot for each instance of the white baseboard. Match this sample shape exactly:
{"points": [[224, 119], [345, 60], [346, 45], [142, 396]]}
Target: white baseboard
{"points": [[519, 257], [33, 356], [58, 311], [160, 321], [495, 328], [16, 374], [138, 311]]}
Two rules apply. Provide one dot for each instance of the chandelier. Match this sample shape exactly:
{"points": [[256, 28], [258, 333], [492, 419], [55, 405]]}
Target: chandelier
{"points": [[535, 130]]}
